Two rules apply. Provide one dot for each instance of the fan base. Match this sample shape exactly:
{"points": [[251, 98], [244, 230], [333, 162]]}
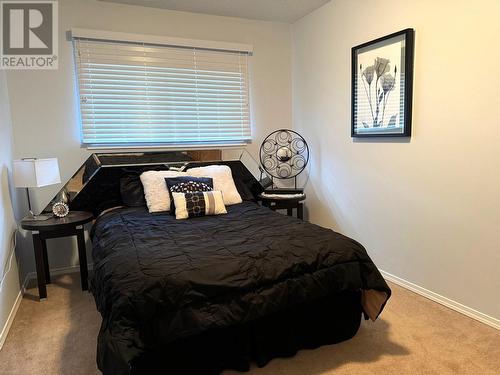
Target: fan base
{"points": [[284, 191]]}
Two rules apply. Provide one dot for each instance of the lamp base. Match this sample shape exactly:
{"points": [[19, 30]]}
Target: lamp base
{"points": [[38, 217]]}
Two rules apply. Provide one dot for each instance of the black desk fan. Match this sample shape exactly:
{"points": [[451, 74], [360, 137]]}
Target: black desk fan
{"points": [[284, 154]]}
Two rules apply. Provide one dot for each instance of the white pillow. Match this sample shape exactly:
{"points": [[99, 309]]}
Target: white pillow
{"points": [[155, 189], [223, 181]]}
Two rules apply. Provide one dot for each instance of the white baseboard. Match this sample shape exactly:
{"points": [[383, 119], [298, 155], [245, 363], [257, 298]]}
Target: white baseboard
{"points": [[471, 313], [13, 312], [10, 319], [31, 276]]}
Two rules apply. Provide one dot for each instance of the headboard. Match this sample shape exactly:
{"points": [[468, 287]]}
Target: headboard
{"points": [[95, 186]]}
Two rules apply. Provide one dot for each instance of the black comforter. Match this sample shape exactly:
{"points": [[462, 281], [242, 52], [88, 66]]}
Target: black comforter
{"points": [[157, 279]]}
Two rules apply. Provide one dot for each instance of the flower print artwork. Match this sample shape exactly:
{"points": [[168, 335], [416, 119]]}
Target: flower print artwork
{"points": [[382, 86], [378, 84]]}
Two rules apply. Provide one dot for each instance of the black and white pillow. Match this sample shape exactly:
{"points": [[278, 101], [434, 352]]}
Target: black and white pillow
{"points": [[201, 203], [187, 184]]}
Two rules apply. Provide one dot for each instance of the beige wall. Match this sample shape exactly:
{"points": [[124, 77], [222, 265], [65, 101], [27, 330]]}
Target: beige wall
{"points": [[427, 210], [11, 287], [43, 103]]}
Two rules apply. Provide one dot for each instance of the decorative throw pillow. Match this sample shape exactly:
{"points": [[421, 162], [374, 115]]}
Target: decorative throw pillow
{"points": [[223, 181], [201, 203], [155, 189], [187, 184]]}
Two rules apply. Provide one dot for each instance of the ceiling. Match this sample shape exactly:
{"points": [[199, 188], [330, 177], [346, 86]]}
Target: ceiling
{"points": [[267, 10]]}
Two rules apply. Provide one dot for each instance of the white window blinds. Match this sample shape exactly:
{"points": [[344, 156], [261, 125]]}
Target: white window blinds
{"points": [[142, 94]]}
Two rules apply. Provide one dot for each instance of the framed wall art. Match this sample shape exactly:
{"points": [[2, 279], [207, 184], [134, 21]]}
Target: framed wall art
{"points": [[382, 86]]}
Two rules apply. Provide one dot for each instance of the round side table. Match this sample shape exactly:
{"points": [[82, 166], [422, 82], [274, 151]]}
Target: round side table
{"points": [[70, 225]]}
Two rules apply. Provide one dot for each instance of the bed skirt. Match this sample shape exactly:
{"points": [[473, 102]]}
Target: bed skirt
{"points": [[326, 321]]}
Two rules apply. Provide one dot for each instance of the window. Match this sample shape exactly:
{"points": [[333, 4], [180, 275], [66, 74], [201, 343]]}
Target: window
{"points": [[138, 93]]}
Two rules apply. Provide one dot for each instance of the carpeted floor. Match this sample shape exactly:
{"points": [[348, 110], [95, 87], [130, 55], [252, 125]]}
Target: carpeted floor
{"points": [[413, 336]]}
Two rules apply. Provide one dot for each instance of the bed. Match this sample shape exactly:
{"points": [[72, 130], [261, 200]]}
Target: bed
{"points": [[202, 295], [211, 293]]}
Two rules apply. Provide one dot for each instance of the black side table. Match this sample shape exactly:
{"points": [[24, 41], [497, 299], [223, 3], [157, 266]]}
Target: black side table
{"points": [[71, 225], [284, 202]]}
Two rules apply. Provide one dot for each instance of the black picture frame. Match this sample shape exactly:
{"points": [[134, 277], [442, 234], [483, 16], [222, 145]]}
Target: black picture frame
{"points": [[377, 97]]}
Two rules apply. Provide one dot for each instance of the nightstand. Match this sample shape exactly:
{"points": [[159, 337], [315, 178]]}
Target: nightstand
{"points": [[286, 202], [70, 225]]}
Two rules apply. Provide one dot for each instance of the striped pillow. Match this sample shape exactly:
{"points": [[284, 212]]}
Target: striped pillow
{"points": [[201, 203]]}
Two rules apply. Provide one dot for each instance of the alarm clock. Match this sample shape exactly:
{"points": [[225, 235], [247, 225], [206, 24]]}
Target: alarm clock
{"points": [[60, 209]]}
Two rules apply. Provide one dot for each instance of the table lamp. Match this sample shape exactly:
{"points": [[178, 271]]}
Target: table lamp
{"points": [[30, 173]]}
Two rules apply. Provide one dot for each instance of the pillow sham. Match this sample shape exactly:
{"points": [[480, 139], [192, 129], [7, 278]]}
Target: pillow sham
{"points": [[223, 181], [155, 189], [201, 203], [132, 192], [244, 191]]}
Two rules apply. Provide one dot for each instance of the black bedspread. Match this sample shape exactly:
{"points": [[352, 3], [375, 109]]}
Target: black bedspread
{"points": [[157, 279]]}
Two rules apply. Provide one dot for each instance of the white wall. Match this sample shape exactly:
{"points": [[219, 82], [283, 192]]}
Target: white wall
{"points": [[10, 289], [43, 103], [427, 210]]}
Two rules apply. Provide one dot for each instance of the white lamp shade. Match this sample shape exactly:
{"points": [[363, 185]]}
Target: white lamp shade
{"points": [[36, 172]]}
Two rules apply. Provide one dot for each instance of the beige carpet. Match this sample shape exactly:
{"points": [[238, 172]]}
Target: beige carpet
{"points": [[413, 336]]}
